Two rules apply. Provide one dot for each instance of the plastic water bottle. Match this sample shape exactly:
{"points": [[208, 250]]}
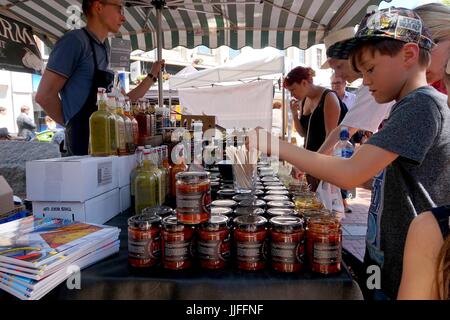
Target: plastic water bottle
{"points": [[343, 148]]}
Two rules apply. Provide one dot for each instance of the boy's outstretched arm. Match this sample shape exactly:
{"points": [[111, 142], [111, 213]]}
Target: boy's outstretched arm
{"points": [[366, 163]]}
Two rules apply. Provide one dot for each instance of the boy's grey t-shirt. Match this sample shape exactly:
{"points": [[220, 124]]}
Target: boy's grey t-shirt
{"points": [[418, 130]]}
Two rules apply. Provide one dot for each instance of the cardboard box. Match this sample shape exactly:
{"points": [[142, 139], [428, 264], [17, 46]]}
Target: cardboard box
{"points": [[74, 179], [125, 198], [96, 210], [6, 197], [126, 164], [209, 122]]}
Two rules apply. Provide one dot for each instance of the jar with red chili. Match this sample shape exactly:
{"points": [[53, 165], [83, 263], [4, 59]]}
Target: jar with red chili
{"points": [[176, 244], [193, 197], [213, 246], [144, 246], [250, 236], [287, 246], [324, 244]]}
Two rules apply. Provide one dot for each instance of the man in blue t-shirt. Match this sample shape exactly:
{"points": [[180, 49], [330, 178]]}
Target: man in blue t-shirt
{"points": [[77, 66]]}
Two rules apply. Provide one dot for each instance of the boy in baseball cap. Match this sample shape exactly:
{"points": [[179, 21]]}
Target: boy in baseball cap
{"points": [[408, 158]]}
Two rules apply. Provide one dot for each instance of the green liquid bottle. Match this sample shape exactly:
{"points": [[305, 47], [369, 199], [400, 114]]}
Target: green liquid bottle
{"points": [[146, 185], [99, 132], [164, 171]]}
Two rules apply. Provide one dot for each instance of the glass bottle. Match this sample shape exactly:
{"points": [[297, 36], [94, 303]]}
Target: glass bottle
{"points": [[168, 167], [165, 172], [128, 126], [161, 176], [134, 124], [122, 130], [146, 185], [114, 129], [181, 167], [99, 128], [141, 118], [139, 161]]}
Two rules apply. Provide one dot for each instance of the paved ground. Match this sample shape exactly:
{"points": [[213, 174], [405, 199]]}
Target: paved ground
{"points": [[354, 224]]}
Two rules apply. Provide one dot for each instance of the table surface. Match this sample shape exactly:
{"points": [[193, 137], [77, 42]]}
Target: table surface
{"points": [[113, 278]]}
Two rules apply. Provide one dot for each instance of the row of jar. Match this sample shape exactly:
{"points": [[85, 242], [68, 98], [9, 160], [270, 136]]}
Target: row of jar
{"points": [[251, 244]]}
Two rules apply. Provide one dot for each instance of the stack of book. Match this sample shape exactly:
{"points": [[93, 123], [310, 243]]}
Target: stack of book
{"points": [[38, 254]]}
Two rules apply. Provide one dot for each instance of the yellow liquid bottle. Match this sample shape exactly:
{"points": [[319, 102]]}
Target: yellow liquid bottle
{"points": [[134, 173], [99, 132], [113, 123], [122, 130]]}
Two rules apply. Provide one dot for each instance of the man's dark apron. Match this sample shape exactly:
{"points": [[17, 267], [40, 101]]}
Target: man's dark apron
{"points": [[77, 129]]}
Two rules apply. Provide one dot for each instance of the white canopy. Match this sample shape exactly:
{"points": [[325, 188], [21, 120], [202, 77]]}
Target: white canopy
{"points": [[249, 64]]}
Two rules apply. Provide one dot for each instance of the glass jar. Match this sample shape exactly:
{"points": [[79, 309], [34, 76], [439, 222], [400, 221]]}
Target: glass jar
{"points": [[144, 246], [307, 201], [176, 244], [309, 214], [193, 197], [213, 247], [324, 245], [287, 247], [274, 184], [283, 188], [270, 179], [250, 235]]}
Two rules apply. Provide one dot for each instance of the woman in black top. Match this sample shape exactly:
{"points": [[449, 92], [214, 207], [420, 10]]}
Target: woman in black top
{"points": [[321, 110]]}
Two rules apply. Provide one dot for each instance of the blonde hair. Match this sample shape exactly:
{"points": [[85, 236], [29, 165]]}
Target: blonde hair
{"points": [[436, 17]]}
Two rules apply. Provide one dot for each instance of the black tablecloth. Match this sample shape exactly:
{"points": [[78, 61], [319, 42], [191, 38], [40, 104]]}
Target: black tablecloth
{"points": [[112, 278]]}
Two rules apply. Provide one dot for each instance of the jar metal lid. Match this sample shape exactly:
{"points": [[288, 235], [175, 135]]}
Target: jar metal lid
{"points": [[249, 221], [274, 212], [252, 203], [275, 197], [239, 211], [162, 211], [144, 221], [215, 222], [242, 197], [270, 179], [281, 204], [226, 192], [268, 184], [277, 192], [286, 223], [224, 203], [171, 223], [192, 176], [275, 188], [221, 211]]}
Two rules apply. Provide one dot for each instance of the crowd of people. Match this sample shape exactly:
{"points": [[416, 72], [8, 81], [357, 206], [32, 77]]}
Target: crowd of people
{"points": [[402, 56]]}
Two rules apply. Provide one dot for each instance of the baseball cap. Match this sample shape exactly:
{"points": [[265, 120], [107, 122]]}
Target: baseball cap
{"points": [[390, 23], [335, 37]]}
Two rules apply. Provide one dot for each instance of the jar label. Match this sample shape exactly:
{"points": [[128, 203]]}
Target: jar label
{"points": [[144, 249], [327, 253], [194, 201], [251, 251], [176, 251], [287, 252], [214, 250]]}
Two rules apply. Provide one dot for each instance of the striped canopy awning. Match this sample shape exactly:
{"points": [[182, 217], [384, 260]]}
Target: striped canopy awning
{"points": [[212, 23]]}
